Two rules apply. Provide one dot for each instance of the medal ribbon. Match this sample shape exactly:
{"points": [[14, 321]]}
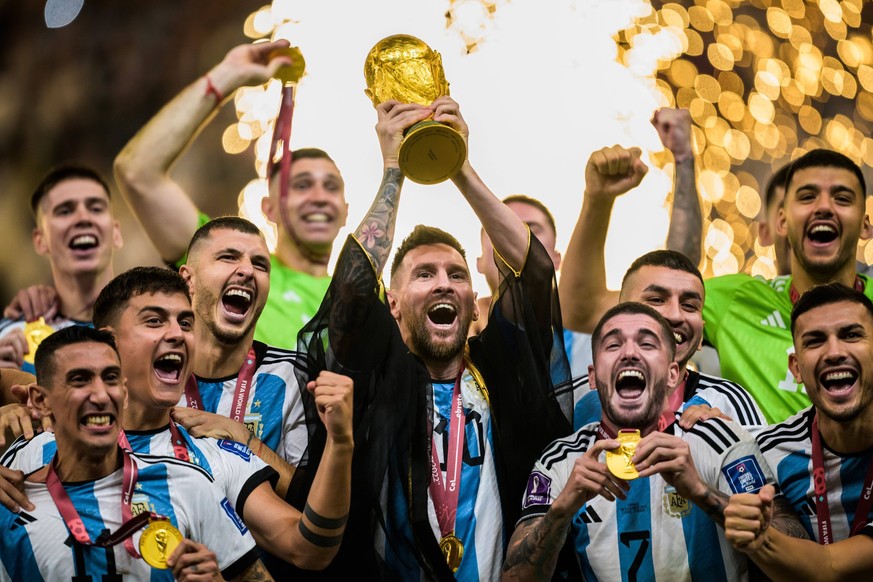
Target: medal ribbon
{"points": [[445, 495], [180, 449], [241, 393], [822, 510], [74, 522], [794, 295]]}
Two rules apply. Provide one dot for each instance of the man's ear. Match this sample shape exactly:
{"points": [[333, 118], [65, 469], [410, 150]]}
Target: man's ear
{"points": [[117, 241], [188, 275], [592, 380], [268, 208], [781, 223], [39, 243], [393, 303], [794, 366], [673, 376], [38, 397]]}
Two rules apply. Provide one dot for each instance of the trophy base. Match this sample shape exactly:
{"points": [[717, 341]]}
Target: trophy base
{"points": [[431, 152]]}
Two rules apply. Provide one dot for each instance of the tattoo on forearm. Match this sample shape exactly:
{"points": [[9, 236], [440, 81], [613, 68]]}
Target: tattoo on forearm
{"points": [[376, 232], [318, 539], [786, 521], [538, 547], [257, 572], [713, 503], [686, 219], [323, 522]]}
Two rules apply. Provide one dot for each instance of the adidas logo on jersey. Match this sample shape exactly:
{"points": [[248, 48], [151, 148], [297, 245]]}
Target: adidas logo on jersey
{"points": [[774, 320], [590, 516]]}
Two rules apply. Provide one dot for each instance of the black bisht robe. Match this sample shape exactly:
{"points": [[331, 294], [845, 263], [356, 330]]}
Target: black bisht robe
{"points": [[522, 361]]}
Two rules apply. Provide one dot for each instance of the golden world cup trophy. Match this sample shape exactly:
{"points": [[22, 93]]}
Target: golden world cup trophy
{"points": [[404, 68]]}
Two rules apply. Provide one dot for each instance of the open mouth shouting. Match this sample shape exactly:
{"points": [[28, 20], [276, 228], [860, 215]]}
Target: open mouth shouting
{"points": [[237, 302], [442, 315], [83, 243], [168, 368], [630, 384], [820, 234], [839, 383]]}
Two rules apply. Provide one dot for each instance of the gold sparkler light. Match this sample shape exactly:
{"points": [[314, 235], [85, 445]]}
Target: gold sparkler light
{"points": [[765, 81]]}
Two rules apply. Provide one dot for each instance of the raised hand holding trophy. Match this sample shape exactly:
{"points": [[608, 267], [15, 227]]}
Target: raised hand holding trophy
{"points": [[405, 69]]}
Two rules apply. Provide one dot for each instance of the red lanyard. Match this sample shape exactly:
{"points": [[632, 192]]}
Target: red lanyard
{"points": [[794, 295], [822, 510], [240, 394], [445, 495], [129, 524], [180, 449]]}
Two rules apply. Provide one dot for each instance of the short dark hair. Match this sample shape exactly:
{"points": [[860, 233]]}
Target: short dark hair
{"points": [[663, 258], [44, 360], [236, 223], [137, 281], [424, 235], [826, 295], [525, 199], [303, 154], [60, 174], [777, 180], [822, 158], [632, 307]]}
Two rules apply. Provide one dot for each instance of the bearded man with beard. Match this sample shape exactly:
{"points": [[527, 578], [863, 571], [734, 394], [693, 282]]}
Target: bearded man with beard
{"points": [[662, 513], [446, 429]]}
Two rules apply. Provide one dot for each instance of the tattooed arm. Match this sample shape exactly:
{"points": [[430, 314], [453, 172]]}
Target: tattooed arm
{"points": [[376, 231], [534, 547]]}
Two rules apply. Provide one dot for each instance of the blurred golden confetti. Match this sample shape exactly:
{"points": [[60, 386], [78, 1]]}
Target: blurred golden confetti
{"points": [[765, 81]]}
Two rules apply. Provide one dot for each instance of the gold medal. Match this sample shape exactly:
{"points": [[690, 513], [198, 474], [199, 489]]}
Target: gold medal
{"points": [[35, 332], [453, 550], [158, 542], [619, 460]]}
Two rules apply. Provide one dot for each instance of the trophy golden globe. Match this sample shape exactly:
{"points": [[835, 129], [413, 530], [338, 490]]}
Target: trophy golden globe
{"points": [[404, 68]]}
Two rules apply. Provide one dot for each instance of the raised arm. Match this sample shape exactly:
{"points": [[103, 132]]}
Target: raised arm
{"points": [[507, 232], [686, 219], [310, 540], [376, 231], [610, 172], [142, 168]]}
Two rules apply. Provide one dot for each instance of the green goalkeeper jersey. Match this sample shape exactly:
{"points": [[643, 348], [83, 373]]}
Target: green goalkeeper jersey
{"points": [[748, 320]]}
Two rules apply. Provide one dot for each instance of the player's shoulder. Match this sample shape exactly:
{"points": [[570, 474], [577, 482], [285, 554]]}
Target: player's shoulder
{"points": [[568, 447], [28, 455], [715, 434], [791, 433], [172, 467], [268, 355]]}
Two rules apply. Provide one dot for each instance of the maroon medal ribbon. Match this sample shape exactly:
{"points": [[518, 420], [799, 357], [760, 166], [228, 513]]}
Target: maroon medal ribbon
{"points": [[129, 524], [445, 495], [241, 393], [794, 295], [822, 510], [180, 449]]}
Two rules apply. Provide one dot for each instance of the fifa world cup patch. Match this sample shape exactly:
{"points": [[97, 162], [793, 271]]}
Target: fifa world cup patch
{"points": [[238, 449], [228, 509], [744, 475], [537, 491]]}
